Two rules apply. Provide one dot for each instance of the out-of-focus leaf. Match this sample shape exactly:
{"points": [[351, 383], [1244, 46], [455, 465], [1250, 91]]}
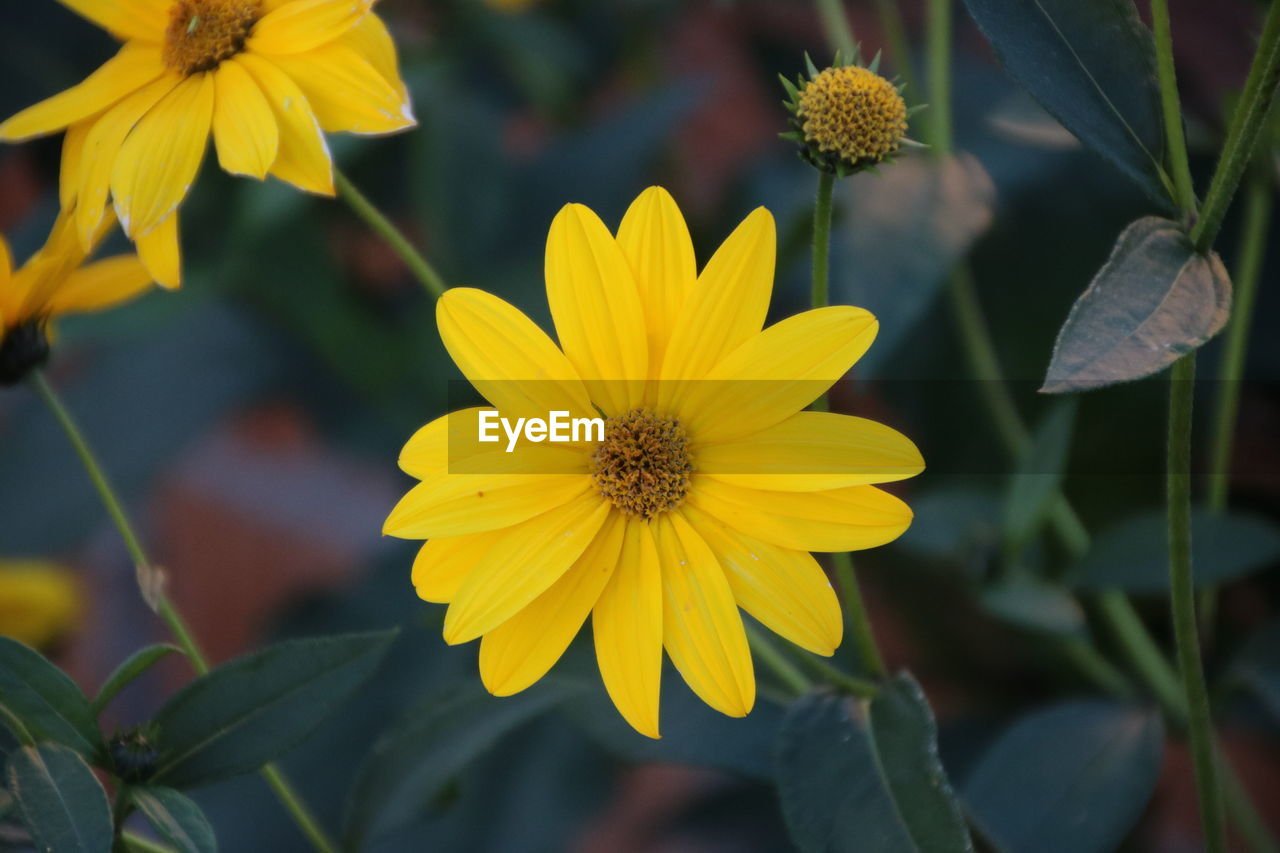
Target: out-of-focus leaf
{"points": [[1134, 555], [1020, 119], [1034, 606], [1154, 300], [432, 744], [1091, 64], [1072, 778], [951, 521], [255, 708], [133, 666], [176, 818], [905, 228], [61, 801], [1039, 473], [47, 702], [865, 776]]}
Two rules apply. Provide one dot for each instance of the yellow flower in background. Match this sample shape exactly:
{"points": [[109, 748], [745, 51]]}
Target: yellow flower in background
{"points": [[709, 489], [39, 602], [56, 281], [265, 77]]}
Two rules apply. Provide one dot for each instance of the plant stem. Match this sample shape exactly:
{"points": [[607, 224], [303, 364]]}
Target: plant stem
{"points": [[769, 655], [1242, 133], [1142, 653], [939, 47], [137, 842], [1088, 661], [835, 22], [895, 34], [1172, 109], [384, 228], [1182, 599], [856, 615], [820, 286], [838, 678], [172, 618]]}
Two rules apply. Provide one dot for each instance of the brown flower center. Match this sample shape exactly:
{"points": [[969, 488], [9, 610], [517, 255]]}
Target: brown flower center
{"points": [[643, 465], [203, 33]]}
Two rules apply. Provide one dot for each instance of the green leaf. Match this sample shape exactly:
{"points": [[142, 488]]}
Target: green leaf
{"points": [[1035, 606], [254, 709], [954, 521], [136, 664], [48, 703], [1155, 300], [1039, 474], [1072, 778], [61, 801], [1134, 555], [859, 776], [417, 758], [176, 818], [1091, 65]]}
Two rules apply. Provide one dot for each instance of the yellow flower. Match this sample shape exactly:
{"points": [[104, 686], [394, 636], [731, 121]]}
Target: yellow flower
{"points": [[265, 77], [706, 495], [39, 602], [56, 281]]}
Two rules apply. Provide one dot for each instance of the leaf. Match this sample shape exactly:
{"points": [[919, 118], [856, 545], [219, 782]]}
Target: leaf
{"points": [[1134, 555], [136, 664], [48, 703], [1034, 606], [1091, 65], [859, 776], [61, 801], [1039, 473], [1074, 777], [176, 818], [954, 521], [413, 762], [1154, 300], [254, 709]]}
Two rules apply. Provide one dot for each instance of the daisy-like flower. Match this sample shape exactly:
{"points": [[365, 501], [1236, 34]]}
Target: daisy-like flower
{"points": [[40, 602], [53, 282], [709, 489], [265, 77]]}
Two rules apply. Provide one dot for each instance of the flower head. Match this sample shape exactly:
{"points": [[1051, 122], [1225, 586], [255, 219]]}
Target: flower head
{"points": [[846, 118], [704, 492], [53, 282], [264, 78], [39, 602]]}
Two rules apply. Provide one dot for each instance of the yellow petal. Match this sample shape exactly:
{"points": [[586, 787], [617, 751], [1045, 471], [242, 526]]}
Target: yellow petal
{"points": [[507, 357], [303, 159], [369, 38], [443, 564], [847, 519], [160, 159], [627, 624], [813, 451], [701, 627], [451, 445], [729, 302], [595, 306], [161, 254], [524, 648], [8, 303], [100, 285], [654, 238], [6, 260], [785, 589], [347, 92], [522, 564], [458, 504], [244, 126], [101, 148], [135, 19], [774, 374], [305, 25], [72, 160], [133, 67]]}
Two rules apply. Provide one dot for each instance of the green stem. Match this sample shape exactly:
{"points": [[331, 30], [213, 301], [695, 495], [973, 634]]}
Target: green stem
{"points": [[172, 618], [1172, 109], [1242, 133], [835, 22], [1086, 659], [895, 33], [939, 48], [142, 845], [1253, 247], [855, 611], [768, 654], [838, 678], [1182, 599], [1142, 653], [384, 228], [820, 287]]}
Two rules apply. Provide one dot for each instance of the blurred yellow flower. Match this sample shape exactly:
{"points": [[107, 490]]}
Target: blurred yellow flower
{"points": [[265, 77], [39, 602], [703, 496], [56, 281]]}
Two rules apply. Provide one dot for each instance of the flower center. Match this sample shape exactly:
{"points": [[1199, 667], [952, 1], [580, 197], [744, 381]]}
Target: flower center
{"points": [[853, 113], [643, 465], [202, 33]]}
